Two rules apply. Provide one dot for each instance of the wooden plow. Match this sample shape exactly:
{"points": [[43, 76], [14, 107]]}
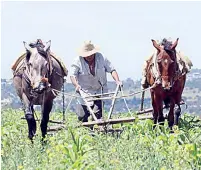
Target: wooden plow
{"points": [[104, 123], [110, 121]]}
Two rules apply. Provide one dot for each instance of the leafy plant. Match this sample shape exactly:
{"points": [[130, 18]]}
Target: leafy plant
{"points": [[75, 147]]}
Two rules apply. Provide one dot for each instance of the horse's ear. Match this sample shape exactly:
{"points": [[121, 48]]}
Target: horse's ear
{"points": [[174, 45], [47, 46], [27, 47], [156, 45]]}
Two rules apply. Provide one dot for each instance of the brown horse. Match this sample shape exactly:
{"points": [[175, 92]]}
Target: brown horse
{"points": [[171, 85]]}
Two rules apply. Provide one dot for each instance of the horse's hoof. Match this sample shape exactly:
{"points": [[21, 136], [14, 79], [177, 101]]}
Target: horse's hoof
{"points": [[43, 141], [171, 129], [31, 139]]}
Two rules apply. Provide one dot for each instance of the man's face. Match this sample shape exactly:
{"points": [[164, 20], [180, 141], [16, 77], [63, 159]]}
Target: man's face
{"points": [[90, 58]]}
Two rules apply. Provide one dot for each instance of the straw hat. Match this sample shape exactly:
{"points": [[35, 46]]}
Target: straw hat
{"points": [[87, 49]]}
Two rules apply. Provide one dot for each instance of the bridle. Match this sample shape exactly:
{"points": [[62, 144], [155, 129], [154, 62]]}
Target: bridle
{"points": [[175, 73], [27, 75]]}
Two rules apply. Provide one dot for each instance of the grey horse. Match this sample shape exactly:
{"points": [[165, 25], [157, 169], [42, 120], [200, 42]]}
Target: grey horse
{"points": [[34, 80]]}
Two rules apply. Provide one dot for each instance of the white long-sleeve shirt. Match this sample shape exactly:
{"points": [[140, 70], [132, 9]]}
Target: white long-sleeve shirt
{"points": [[89, 83]]}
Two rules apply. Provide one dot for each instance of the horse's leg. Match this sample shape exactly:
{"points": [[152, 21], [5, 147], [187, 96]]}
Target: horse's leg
{"points": [[157, 104], [171, 113], [46, 108], [29, 115], [177, 114], [161, 118], [178, 95], [155, 111], [34, 127]]}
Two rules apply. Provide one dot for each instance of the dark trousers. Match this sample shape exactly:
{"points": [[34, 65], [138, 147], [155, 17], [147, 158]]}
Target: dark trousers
{"points": [[97, 109]]}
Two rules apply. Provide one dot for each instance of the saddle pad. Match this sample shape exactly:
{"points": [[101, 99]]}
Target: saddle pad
{"points": [[14, 66]]}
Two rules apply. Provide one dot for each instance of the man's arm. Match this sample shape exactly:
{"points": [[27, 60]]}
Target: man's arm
{"points": [[110, 69], [75, 83], [115, 76], [74, 71]]}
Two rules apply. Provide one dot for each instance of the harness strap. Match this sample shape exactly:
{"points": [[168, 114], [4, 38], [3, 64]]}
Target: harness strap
{"points": [[26, 78], [26, 73], [49, 63]]}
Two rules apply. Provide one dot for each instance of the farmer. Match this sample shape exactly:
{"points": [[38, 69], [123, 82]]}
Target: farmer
{"points": [[184, 63], [88, 75]]}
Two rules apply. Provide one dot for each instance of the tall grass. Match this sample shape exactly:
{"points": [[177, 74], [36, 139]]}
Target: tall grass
{"points": [[138, 146]]}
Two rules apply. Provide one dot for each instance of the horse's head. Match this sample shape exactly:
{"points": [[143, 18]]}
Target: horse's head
{"points": [[166, 62], [38, 66]]}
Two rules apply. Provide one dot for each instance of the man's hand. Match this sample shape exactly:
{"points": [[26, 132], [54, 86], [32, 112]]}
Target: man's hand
{"points": [[116, 78], [119, 83], [77, 88]]}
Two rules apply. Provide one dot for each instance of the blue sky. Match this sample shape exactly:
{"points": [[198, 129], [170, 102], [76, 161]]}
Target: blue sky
{"points": [[123, 30]]}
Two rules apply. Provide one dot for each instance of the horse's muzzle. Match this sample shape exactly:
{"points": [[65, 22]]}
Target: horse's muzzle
{"points": [[41, 88], [166, 86], [169, 88]]}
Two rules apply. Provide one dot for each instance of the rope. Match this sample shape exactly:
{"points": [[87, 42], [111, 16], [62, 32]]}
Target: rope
{"points": [[69, 103], [55, 90], [104, 98], [132, 94]]}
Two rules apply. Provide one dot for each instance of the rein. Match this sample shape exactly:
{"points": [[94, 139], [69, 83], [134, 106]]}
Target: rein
{"points": [[26, 74]]}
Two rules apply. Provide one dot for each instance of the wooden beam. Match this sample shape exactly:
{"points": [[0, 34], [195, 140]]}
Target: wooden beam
{"points": [[151, 109], [144, 111], [113, 102], [55, 128], [58, 122], [98, 95], [88, 106], [115, 121]]}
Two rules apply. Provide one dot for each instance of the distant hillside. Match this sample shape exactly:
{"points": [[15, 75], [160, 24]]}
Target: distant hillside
{"points": [[192, 95]]}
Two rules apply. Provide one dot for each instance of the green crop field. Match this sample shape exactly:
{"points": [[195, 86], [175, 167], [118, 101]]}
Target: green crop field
{"points": [[137, 147]]}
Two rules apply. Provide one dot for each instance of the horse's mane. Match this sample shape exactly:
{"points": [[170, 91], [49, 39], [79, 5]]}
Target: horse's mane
{"points": [[167, 45], [39, 48], [168, 48]]}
